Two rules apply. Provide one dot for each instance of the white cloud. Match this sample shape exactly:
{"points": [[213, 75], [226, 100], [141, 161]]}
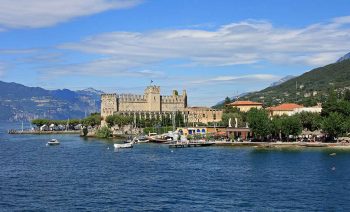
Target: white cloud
{"points": [[246, 42], [44, 13], [103, 67]]}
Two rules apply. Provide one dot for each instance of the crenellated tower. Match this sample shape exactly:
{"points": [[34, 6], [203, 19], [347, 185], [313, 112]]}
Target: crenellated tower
{"points": [[152, 96], [108, 104]]}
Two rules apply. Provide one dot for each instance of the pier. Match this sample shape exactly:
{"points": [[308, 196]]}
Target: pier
{"points": [[190, 144]]}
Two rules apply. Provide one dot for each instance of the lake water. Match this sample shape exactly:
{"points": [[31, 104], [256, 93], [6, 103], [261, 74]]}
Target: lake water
{"points": [[87, 175]]}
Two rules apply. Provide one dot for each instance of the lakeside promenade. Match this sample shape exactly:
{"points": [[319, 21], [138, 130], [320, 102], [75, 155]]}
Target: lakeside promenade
{"points": [[261, 144]]}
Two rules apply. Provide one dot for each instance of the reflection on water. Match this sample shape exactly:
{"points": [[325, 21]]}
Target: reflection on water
{"points": [[87, 174]]}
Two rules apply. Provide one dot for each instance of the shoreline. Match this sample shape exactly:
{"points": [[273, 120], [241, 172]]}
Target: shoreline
{"points": [[29, 132], [267, 145]]}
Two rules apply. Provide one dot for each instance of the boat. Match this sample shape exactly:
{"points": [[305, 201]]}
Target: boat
{"points": [[125, 145], [53, 142], [141, 139]]}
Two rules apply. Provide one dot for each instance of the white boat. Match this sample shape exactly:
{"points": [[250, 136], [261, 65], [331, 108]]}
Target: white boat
{"points": [[53, 142], [126, 145], [141, 139]]}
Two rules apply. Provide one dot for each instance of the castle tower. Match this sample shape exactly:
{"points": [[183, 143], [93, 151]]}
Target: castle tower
{"points": [[184, 96], [152, 95], [108, 104]]}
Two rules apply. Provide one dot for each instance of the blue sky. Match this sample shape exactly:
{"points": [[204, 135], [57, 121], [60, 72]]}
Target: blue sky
{"points": [[211, 48]]}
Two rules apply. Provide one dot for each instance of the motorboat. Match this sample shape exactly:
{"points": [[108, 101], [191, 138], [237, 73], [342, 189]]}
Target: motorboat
{"points": [[53, 142], [125, 145]]}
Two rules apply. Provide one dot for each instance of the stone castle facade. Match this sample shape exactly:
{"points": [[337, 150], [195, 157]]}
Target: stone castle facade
{"points": [[153, 104]]}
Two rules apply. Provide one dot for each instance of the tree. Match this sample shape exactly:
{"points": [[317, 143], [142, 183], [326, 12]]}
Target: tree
{"points": [[310, 121], [333, 125], [179, 120], [291, 125], [276, 127], [92, 120], [227, 100], [330, 105], [119, 120], [347, 95], [259, 122], [40, 122], [227, 116]]}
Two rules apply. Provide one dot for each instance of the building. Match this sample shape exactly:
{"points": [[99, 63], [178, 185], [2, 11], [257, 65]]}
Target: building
{"points": [[284, 109], [314, 109], [245, 106], [201, 130], [229, 132], [290, 109], [243, 133], [202, 115], [154, 105]]}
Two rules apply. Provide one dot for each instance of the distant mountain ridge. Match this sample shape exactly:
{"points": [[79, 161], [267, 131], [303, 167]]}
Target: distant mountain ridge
{"points": [[308, 88], [19, 102], [284, 79], [345, 57]]}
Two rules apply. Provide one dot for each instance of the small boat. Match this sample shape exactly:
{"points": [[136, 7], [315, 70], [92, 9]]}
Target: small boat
{"points": [[141, 139], [125, 145], [53, 142]]}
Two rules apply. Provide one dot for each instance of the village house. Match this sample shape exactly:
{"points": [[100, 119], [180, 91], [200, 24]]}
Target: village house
{"points": [[283, 109], [245, 106], [290, 109]]}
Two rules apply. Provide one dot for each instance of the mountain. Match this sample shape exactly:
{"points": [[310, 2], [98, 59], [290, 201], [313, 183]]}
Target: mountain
{"points": [[345, 57], [308, 88], [233, 98], [19, 102], [284, 79]]}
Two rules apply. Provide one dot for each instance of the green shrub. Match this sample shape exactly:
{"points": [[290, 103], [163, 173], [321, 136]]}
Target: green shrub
{"points": [[104, 132]]}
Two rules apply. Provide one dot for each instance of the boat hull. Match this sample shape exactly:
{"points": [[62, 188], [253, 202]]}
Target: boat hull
{"points": [[126, 145]]}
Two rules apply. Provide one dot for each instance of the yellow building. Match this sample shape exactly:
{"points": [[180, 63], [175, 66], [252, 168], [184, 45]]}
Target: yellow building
{"points": [[245, 106], [202, 115]]}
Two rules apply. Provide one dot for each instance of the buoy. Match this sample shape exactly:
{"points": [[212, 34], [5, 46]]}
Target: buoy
{"points": [[333, 168], [107, 147]]}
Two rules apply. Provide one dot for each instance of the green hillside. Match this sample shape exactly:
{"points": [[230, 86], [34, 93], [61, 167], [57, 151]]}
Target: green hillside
{"points": [[307, 89]]}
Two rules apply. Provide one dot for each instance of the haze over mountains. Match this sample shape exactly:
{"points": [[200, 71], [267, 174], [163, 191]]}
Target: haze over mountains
{"points": [[19, 102]]}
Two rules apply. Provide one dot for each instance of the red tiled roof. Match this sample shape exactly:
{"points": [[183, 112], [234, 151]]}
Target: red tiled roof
{"points": [[244, 103], [285, 107]]}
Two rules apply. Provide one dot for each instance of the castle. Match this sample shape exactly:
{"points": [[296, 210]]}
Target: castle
{"points": [[153, 104]]}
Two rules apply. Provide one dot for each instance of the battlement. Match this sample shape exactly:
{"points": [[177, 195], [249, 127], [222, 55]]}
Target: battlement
{"points": [[151, 100], [172, 99], [152, 89], [108, 95], [131, 98]]}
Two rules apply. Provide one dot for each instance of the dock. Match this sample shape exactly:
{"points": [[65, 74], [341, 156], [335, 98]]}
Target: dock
{"points": [[190, 144]]}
